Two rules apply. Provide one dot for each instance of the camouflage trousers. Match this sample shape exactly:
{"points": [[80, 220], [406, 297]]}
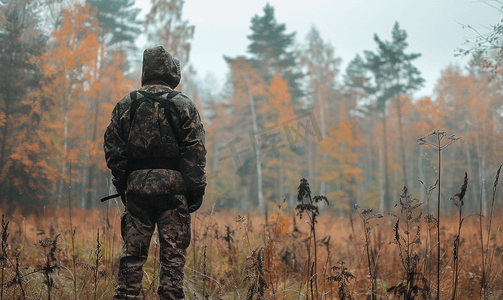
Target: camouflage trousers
{"points": [[170, 213]]}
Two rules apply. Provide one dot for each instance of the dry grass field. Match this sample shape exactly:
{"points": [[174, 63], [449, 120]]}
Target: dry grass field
{"points": [[270, 256]]}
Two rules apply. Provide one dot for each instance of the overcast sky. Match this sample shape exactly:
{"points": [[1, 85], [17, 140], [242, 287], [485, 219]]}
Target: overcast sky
{"points": [[434, 28]]}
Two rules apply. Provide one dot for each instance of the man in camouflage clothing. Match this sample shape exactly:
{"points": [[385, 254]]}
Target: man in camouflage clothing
{"points": [[154, 145]]}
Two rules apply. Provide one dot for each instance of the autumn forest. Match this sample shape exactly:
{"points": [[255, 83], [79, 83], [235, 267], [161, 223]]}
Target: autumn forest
{"points": [[282, 115], [287, 111]]}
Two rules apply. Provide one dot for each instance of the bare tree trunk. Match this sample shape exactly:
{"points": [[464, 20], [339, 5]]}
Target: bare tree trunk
{"points": [[85, 164], [482, 178], [381, 179], [65, 148], [310, 162], [94, 189], [92, 185], [387, 199], [402, 147], [258, 162], [370, 171], [323, 134], [214, 165], [482, 161], [411, 171]]}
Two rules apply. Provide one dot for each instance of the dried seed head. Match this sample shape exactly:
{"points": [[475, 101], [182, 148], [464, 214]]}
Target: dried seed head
{"points": [[458, 198], [304, 190], [320, 198], [453, 137]]}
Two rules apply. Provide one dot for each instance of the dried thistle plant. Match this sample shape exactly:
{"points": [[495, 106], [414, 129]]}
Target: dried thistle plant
{"points": [[487, 259], [98, 256], [430, 219], [437, 136], [308, 205], [242, 220], [366, 215], [50, 246], [459, 202], [254, 266], [405, 239], [18, 279], [342, 277]]}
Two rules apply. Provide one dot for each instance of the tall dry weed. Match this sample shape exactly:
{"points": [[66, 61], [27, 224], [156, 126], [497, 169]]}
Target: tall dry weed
{"points": [[438, 136], [407, 242], [3, 258], [308, 205], [366, 215], [487, 258], [458, 200], [342, 277]]}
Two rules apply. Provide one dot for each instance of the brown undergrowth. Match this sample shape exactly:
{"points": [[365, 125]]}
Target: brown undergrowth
{"points": [[236, 256]]}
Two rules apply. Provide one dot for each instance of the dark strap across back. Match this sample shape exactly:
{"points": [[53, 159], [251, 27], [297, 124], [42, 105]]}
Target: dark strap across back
{"points": [[166, 103], [158, 162], [155, 163]]}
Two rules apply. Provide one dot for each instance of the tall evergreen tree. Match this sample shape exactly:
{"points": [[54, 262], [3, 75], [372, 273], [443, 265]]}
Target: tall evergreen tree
{"points": [[400, 75], [118, 22], [270, 47], [393, 75], [21, 42], [118, 28], [356, 79]]}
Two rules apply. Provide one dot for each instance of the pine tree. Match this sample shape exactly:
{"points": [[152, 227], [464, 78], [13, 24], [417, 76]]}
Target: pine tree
{"points": [[393, 75], [357, 80], [118, 28], [118, 22], [398, 74], [270, 47], [21, 42]]}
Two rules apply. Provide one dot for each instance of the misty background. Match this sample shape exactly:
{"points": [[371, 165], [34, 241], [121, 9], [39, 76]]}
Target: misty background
{"points": [[333, 91]]}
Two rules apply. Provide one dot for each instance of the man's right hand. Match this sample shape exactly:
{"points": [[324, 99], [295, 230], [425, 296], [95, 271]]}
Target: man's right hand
{"points": [[195, 203]]}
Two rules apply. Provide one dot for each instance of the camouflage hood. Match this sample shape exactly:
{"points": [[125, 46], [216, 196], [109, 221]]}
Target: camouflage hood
{"points": [[159, 65]]}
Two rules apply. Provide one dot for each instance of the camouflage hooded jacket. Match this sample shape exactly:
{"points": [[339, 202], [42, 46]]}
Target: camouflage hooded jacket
{"points": [[150, 136]]}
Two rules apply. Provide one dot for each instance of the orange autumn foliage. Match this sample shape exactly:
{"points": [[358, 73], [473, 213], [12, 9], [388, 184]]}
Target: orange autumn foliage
{"points": [[343, 168]]}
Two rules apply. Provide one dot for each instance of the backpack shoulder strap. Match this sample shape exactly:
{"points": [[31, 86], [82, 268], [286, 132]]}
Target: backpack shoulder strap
{"points": [[134, 105], [166, 103], [167, 112]]}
